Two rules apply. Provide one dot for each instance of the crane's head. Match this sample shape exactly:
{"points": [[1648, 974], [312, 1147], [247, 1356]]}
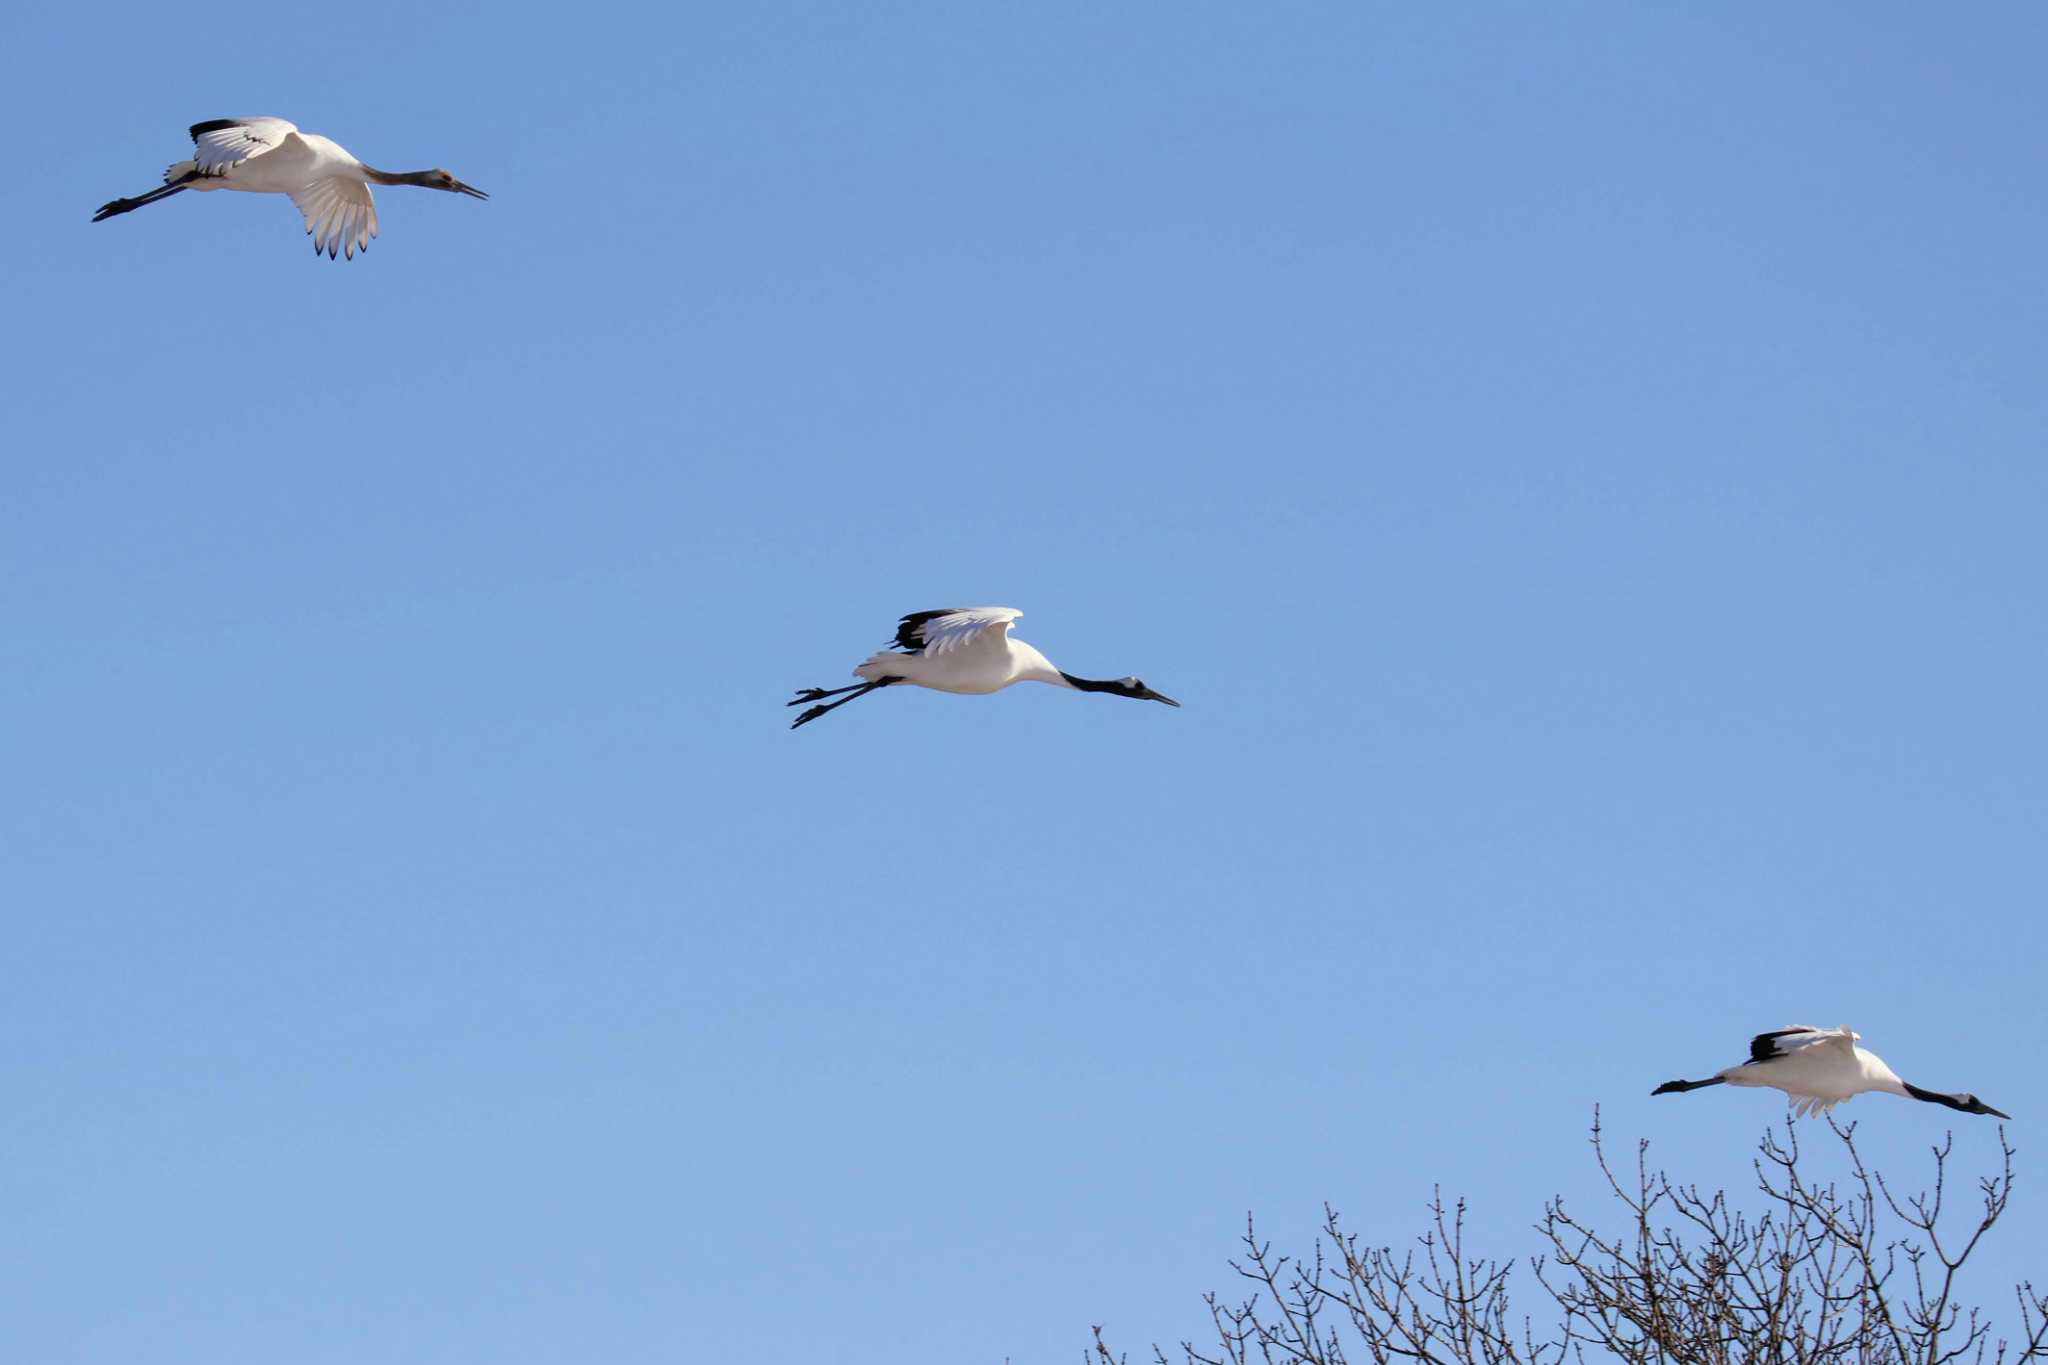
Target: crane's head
{"points": [[1122, 687], [1137, 691], [1969, 1104], [441, 180]]}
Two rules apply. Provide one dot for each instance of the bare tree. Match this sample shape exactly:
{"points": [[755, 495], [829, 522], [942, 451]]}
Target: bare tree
{"points": [[1820, 1275]]}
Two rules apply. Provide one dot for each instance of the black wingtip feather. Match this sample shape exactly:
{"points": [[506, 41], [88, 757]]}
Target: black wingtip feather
{"points": [[1761, 1047], [213, 125], [910, 630]]}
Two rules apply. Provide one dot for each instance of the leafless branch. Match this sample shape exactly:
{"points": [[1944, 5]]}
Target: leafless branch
{"points": [[1818, 1274]]}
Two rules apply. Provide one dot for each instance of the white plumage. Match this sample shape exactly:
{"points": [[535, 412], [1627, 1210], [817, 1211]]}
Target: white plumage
{"points": [[1821, 1068], [980, 634], [968, 650], [270, 156]]}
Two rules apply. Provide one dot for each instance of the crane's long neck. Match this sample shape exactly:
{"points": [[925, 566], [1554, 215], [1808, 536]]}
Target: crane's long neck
{"points": [[1086, 684], [425, 178], [1935, 1097], [1028, 665]]}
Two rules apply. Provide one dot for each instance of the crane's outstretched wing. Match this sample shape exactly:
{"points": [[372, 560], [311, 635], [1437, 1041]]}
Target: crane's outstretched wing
{"points": [[1767, 1047], [938, 632], [340, 216], [223, 143]]}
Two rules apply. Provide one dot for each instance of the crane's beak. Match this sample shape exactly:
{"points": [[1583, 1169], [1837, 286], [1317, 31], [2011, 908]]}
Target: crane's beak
{"points": [[1999, 1113], [470, 190], [1147, 694]]}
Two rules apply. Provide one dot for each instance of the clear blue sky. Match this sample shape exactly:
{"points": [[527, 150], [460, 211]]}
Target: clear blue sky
{"points": [[1581, 468]]}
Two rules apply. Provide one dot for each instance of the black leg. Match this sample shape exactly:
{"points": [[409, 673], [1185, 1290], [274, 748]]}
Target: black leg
{"points": [[819, 693], [130, 205], [858, 690]]}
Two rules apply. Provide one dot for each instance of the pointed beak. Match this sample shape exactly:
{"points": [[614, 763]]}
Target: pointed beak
{"points": [[470, 190], [1149, 695], [1999, 1113]]}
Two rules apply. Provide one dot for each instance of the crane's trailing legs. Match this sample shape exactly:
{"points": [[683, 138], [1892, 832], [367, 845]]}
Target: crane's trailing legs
{"points": [[128, 205], [820, 693], [858, 690]]}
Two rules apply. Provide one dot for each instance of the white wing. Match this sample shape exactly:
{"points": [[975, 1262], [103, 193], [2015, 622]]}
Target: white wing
{"points": [[940, 632], [225, 143], [340, 216], [1787, 1042]]}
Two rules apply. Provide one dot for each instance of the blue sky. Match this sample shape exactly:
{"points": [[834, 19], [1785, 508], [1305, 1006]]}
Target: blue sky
{"points": [[1581, 468]]}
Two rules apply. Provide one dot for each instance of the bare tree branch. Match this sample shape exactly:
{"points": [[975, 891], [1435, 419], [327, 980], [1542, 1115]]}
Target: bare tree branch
{"points": [[1821, 1274]]}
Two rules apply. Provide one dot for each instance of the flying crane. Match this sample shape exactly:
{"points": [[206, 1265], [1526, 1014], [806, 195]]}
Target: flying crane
{"points": [[961, 649], [1821, 1068], [271, 156]]}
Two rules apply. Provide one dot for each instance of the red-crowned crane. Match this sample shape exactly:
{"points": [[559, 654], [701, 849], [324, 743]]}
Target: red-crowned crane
{"points": [[1821, 1068], [270, 156], [962, 649]]}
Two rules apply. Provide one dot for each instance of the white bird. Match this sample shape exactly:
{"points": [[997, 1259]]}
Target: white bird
{"points": [[270, 156], [966, 650], [1821, 1068]]}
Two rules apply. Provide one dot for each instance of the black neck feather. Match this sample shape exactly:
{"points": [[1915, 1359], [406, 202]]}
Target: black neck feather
{"points": [[1933, 1096], [1090, 684]]}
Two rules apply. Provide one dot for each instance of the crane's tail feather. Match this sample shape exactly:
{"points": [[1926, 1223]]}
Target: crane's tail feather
{"points": [[885, 664]]}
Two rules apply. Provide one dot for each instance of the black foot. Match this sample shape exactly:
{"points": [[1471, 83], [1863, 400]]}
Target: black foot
{"points": [[808, 716], [809, 694]]}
